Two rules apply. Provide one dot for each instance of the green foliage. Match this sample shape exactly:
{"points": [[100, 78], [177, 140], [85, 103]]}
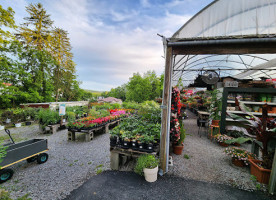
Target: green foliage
{"points": [[131, 105], [142, 88], [71, 116], [47, 117], [216, 104], [186, 156], [118, 92], [239, 140], [150, 111], [145, 161], [182, 134]]}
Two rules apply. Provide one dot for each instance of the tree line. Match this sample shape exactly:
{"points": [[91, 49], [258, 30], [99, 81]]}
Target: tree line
{"points": [[139, 88], [36, 60]]}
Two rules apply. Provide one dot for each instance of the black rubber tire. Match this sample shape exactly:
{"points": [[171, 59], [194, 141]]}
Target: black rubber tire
{"points": [[5, 175], [42, 158], [32, 159]]}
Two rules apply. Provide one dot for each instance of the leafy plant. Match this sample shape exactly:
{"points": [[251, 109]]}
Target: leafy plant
{"points": [[262, 129], [239, 140], [145, 161], [222, 138], [216, 104], [182, 135]]}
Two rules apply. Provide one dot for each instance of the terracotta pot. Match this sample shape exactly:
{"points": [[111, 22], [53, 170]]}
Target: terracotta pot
{"points": [[215, 122], [223, 144], [261, 174], [238, 163], [178, 149]]}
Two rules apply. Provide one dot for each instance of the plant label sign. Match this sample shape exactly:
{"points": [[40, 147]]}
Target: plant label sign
{"points": [[62, 109], [231, 84]]}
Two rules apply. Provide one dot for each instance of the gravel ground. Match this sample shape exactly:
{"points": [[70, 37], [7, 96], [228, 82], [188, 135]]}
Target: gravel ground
{"points": [[207, 162], [69, 165]]}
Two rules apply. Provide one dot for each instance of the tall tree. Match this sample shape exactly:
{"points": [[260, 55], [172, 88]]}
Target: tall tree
{"points": [[7, 21], [61, 51], [36, 32], [37, 28], [118, 92]]}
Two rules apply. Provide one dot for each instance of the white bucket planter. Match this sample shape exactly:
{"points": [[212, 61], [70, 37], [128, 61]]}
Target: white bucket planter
{"points": [[8, 121], [63, 120], [151, 174], [2, 127], [17, 125]]}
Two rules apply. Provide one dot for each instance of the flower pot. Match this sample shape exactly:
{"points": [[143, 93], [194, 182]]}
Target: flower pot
{"points": [[113, 141], [150, 174], [28, 123], [178, 149], [2, 128], [8, 121], [141, 146], [215, 122], [223, 144], [134, 144], [261, 174], [17, 125], [126, 144], [238, 163]]}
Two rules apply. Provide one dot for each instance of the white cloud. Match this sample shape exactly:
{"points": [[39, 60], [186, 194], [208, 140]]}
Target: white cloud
{"points": [[109, 53]]}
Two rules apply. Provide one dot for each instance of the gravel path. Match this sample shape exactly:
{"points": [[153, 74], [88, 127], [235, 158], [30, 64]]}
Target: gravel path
{"points": [[70, 164], [207, 162]]}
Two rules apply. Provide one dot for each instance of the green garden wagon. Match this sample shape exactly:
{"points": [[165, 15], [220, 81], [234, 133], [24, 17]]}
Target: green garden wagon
{"points": [[30, 150]]}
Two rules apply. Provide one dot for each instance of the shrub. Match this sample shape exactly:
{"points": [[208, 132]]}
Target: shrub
{"points": [[145, 161], [131, 105]]}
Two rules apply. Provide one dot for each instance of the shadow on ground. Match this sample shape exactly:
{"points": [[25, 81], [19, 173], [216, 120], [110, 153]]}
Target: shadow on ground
{"points": [[128, 185]]}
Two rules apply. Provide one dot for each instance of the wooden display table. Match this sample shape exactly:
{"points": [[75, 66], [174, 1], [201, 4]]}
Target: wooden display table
{"points": [[116, 153], [89, 134]]}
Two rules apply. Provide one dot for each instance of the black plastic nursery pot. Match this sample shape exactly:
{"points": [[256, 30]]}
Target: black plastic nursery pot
{"points": [[28, 123], [134, 145], [126, 144], [113, 141]]}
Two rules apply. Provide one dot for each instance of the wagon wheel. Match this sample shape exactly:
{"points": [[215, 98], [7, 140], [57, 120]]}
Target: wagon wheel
{"points": [[5, 175], [42, 158], [32, 159]]}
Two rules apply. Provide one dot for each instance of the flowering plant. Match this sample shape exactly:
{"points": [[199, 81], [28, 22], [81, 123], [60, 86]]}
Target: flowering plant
{"points": [[222, 138], [239, 154]]}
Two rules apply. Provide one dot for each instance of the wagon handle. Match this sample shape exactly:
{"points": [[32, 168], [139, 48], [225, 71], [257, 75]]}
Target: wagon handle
{"points": [[9, 134]]}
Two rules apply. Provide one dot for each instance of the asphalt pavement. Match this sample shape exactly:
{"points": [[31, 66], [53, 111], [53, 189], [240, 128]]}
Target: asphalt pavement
{"points": [[130, 186]]}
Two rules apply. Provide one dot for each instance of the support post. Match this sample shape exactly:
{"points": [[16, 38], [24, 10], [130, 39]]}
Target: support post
{"points": [[272, 179], [166, 108]]}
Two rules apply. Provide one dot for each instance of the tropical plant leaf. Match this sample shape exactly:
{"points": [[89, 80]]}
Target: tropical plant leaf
{"points": [[239, 140]]}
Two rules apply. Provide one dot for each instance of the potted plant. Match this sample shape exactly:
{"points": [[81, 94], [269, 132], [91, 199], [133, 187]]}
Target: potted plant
{"points": [[239, 156], [262, 130], [147, 165], [2, 127], [215, 107], [178, 147], [7, 116], [114, 137], [18, 117], [221, 139]]}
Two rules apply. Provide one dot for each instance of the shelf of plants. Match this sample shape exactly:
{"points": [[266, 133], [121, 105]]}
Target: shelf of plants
{"points": [[140, 131]]}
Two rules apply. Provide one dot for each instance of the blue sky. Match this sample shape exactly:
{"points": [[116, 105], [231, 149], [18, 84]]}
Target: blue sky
{"points": [[112, 39]]}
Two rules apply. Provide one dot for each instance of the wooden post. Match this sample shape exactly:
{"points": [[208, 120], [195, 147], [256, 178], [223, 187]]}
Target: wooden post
{"points": [[166, 108], [272, 180]]}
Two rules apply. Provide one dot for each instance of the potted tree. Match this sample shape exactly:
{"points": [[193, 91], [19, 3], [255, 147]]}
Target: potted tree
{"points": [[178, 147], [262, 130], [147, 165]]}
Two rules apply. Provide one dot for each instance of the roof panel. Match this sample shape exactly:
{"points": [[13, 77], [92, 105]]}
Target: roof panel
{"points": [[230, 18]]}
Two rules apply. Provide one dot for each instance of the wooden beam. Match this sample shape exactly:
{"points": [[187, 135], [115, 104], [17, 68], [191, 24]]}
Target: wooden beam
{"points": [[272, 180], [166, 108]]}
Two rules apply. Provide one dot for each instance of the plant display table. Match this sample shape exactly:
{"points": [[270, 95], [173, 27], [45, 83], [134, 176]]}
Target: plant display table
{"points": [[119, 156], [89, 133]]}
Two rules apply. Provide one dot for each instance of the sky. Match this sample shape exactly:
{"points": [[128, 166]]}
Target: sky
{"points": [[112, 39]]}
